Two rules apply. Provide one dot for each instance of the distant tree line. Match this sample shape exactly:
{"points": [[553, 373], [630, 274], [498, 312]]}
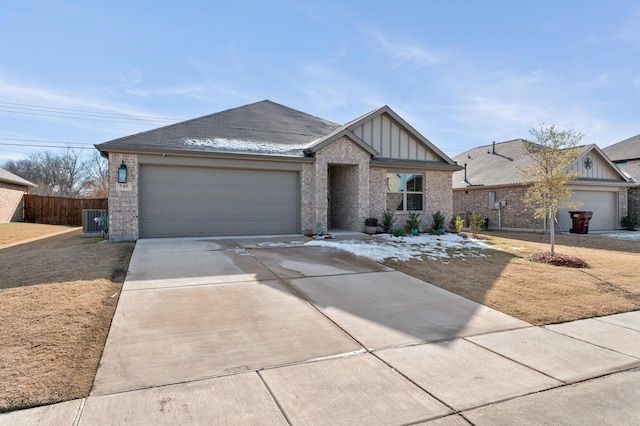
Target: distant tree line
{"points": [[63, 174]]}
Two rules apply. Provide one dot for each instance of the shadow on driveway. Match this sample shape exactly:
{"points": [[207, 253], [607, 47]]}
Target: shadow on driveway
{"points": [[199, 308]]}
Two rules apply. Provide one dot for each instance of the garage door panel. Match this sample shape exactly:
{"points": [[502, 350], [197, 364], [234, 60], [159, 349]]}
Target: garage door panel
{"points": [[603, 204], [189, 201]]}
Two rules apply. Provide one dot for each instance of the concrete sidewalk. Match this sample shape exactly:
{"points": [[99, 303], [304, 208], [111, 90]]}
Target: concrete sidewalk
{"points": [[220, 331]]}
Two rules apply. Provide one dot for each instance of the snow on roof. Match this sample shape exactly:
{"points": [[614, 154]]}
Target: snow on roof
{"points": [[235, 145]]}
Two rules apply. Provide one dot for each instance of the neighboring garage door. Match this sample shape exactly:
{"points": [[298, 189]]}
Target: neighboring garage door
{"points": [[194, 202], [603, 204]]}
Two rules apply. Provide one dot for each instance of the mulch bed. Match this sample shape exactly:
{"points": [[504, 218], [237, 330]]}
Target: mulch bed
{"points": [[558, 260]]}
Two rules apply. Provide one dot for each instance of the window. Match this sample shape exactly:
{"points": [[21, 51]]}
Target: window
{"points": [[405, 192]]}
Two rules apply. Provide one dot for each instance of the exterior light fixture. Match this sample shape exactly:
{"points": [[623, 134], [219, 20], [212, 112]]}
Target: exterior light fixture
{"points": [[122, 173]]}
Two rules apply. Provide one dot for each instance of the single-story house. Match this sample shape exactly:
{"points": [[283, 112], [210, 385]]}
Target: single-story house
{"points": [[264, 168], [12, 189], [489, 183], [626, 155]]}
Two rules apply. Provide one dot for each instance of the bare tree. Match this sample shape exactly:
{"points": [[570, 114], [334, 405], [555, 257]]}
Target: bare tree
{"points": [[96, 183], [72, 174], [56, 174]]}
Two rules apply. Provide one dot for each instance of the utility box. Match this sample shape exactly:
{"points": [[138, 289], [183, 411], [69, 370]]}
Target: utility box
{"points": [[492, 200], [580, 221], [89, 224]]}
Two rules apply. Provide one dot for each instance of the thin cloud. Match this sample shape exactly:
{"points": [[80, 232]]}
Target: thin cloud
{"points": [[403, 52], [41, 95], [39, 107]]}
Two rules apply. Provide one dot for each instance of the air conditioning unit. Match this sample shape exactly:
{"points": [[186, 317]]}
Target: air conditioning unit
{"points": [[89, 224]]}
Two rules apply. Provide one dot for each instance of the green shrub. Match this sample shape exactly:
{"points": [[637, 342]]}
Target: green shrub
{"points": [[438, 220], [387, 220], [413, 222], [432, 231], [630, 221], [476, 223], [456, 224], [399, 232]]}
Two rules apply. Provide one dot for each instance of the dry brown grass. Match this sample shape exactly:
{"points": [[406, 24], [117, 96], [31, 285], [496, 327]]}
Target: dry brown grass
{"points": [[539, 293], [18, 231], [57, 298]]}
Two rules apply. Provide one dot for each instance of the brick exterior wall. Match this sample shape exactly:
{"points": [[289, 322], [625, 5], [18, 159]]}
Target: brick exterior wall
{"points": [[343, 206], [438, 195], [358, 192], [11, 205], [623, 204], [633, 200], [633, 195], [515, 215], [307, 198], [123, 203], [341, 152], [377, 191]]}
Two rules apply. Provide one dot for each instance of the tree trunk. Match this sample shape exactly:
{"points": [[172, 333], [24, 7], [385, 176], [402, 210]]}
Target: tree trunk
{"points": [[552, 230]]}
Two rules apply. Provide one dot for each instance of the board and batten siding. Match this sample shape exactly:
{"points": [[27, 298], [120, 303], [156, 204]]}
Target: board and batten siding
{"points": [[600, 169], [391, 141]]}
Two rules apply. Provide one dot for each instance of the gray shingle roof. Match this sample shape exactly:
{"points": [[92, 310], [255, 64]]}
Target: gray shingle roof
{"points": [[6, 176], [499, 164], [263, 127], [628, 149], [632, 170], [486, 168]]}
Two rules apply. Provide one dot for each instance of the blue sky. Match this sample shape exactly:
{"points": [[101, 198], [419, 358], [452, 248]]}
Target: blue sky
{"points": [[463, 73]]}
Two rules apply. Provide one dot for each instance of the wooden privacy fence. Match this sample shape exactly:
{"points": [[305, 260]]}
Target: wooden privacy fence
{"points": [[58, 210]]}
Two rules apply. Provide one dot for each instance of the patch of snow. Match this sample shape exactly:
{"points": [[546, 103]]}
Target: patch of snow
{"points": [[407, 248], [240, 251], [278, 244], [628, 235], [236, 145], [342, 355]]}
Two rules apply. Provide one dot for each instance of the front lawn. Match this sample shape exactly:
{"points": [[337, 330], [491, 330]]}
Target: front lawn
{"points": [[15, 232], [503, 279], [57, 299]]}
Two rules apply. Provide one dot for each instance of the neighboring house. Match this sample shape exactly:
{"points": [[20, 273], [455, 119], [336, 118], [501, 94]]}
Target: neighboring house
{"points": [[490, 174], [12, 189], [266, 169], [626, 155]]}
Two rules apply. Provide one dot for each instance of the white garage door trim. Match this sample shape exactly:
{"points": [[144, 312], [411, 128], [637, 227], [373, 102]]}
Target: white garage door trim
{"points": [[603, 204], [184, 201]]}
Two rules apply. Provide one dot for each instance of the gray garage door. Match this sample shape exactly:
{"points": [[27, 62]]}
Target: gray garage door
{"points": [[603, 204], [194, 202]]}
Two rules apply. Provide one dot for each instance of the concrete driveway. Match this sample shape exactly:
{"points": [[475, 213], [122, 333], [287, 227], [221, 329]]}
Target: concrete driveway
{"points": [[227, 331]]}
